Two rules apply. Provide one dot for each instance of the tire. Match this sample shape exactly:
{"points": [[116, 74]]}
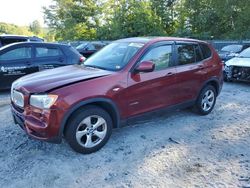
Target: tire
{"points": [[206, 100], [89, 129]]}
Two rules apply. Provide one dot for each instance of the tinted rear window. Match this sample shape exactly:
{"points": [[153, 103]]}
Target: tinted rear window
{"points": [[186, 54], [71, 50], [205, 51]]}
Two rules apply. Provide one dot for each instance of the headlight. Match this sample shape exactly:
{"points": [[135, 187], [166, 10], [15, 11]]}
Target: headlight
{"points": [[226, 68], [17, 98], [43, 101]]}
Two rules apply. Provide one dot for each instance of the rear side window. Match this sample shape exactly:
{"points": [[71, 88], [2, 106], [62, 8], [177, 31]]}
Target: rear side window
{"points": [[205, 51], [198, 55], [16, 54], [186, 54], [47, 52], [189, 53], [72, 50]]}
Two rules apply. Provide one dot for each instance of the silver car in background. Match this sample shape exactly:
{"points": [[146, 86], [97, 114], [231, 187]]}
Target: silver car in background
{"points": [[238, 68]]}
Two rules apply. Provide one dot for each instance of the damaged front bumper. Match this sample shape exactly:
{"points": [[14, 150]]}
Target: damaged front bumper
{"points": [[237, 73]]}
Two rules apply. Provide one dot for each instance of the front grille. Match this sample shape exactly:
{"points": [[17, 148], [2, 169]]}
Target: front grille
{"points": [[17, 98]]}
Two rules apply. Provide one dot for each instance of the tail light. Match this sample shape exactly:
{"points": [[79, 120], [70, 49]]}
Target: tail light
{"points": [[82, 59]]}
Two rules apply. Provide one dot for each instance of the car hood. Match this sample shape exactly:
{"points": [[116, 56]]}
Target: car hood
{"points": [[55, 78], [223, 53], [237, 61]]}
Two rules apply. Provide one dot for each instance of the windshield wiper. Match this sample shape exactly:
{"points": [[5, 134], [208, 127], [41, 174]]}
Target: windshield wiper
{"points": [[96, 67]]}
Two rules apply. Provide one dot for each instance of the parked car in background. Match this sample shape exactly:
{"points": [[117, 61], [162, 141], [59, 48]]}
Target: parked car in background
{"points": [[238, 68], [124, 81], [231, 51], [89, 48], [9, 39], [19, 59]]}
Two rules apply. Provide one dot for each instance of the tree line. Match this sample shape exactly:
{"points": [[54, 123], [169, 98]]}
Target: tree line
{"points": [[34, 29], [113, 19]]}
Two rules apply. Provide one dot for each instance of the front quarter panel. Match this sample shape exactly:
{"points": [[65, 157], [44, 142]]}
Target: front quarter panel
{"points": [[110, 87]]}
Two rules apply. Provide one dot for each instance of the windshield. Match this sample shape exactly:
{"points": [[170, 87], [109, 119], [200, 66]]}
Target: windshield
{"points": [[232, 48], [114, 56], [81, 46], [245, 53]]}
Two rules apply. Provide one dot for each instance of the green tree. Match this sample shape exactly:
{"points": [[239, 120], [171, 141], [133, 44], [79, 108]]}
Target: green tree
{"points": [[130, 18], [165, 10], [113, 19], [36, 27], [73, 19], [6, 28], [219, 19]]}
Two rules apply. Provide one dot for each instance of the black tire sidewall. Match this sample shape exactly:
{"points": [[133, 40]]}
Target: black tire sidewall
{"points": [[70, 133], [199, 100]]}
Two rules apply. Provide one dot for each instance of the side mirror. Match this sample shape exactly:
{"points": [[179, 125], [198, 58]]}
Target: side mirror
{"points": [[145, 66]]}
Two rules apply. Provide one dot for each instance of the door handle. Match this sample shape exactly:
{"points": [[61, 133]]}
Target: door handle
{"points": [[169, 74], [201, 66]]}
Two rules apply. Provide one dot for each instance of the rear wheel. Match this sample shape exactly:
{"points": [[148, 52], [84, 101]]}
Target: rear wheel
{"points": [[89, 129], [206, 100]]}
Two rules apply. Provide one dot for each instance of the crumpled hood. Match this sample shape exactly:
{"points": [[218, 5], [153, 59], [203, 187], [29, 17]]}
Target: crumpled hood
{"points": [[237, 61], [54, 78]]}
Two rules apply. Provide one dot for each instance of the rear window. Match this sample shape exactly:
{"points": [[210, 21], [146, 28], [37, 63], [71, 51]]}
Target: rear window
{"points": [[205, 51], [72, 50]]}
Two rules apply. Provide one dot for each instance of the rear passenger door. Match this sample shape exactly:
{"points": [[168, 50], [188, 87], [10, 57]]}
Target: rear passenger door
{"points": [[190, 71], [48, 57]]}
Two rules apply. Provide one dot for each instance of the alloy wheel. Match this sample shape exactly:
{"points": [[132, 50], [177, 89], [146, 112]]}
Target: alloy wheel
{"points": [[91, 131], [208, 100]]}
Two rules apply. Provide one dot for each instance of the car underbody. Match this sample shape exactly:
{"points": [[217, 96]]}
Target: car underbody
{"points": [[238, 73]]}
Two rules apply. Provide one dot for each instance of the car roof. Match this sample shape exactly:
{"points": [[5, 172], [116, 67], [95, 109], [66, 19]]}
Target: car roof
{"points": [[9, 36], [34, 43], [156, 39], [14, 36]]}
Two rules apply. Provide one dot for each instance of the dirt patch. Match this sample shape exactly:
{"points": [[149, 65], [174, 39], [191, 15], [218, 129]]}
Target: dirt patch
{"points": [[180, 149]]}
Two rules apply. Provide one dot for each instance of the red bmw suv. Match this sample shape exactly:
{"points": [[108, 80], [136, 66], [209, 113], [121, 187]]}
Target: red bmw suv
{"points": [[128, 79]]}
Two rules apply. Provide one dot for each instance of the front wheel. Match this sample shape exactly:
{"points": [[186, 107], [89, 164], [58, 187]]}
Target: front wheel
{"points": [[89, 129], [206, 100]]}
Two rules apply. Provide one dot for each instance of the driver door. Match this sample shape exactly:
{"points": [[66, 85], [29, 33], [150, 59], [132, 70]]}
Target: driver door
{"points": [[14, 63], [152, 90]]}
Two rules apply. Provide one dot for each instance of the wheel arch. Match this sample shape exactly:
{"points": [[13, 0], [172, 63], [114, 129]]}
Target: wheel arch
{"points": [[104, 103], [215, 83]]}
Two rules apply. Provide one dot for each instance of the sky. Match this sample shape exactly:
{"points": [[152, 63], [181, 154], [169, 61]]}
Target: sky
{"points": [[22, 12]]}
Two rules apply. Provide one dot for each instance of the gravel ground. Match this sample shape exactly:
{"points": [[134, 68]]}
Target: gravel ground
{"points": [[180, 149]]}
